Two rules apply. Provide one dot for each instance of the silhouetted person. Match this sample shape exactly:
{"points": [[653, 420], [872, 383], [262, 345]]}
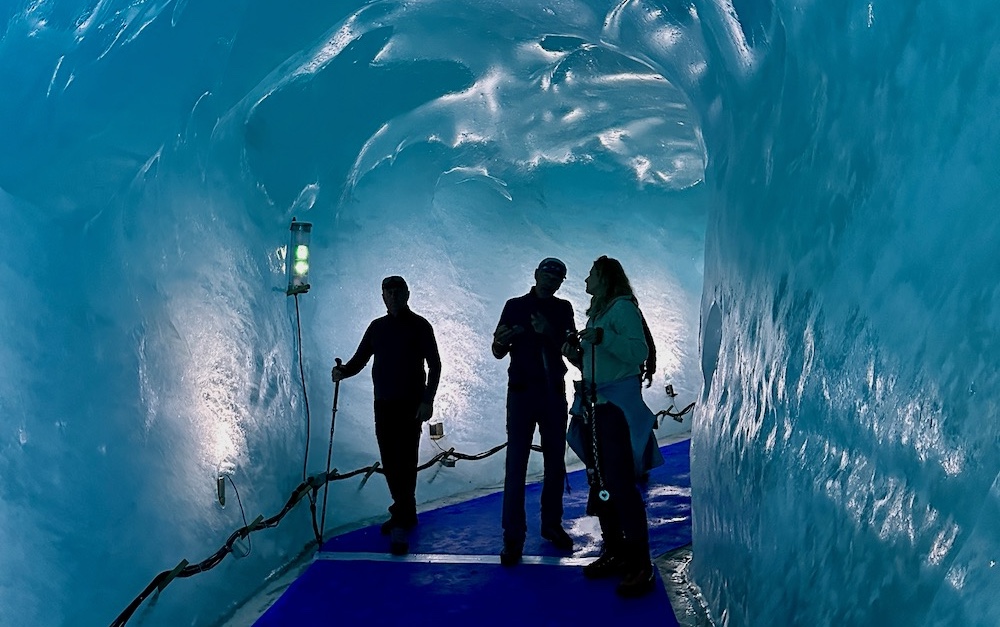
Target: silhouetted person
{"points": [[401, 342], [532, 330]]}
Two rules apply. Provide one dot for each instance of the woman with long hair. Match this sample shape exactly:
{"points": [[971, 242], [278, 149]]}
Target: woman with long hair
{"points": [[615, 441]]}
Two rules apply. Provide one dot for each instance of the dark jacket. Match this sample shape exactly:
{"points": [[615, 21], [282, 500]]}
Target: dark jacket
{"points": [[536, 359], [400, 344]]}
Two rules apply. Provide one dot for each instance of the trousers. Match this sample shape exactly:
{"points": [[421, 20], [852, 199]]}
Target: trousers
{"points": [[398, 433], [623, 515], [544, 406]]}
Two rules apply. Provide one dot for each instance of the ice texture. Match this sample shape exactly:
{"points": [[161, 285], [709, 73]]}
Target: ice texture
{"points": [[152, 156], [845, 460], [804, 194]]}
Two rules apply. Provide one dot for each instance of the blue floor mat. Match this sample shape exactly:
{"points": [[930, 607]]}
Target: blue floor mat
{"points": [[452, 570]]}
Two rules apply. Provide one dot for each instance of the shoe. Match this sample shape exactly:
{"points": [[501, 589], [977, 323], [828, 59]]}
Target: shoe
{"points": [[558, 537], [638, 582], [404, 523], [607, 565], [510, 555], [398, 544]]}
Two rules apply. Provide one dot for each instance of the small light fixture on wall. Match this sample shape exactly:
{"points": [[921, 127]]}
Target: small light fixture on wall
{"points": [[297, 258]]}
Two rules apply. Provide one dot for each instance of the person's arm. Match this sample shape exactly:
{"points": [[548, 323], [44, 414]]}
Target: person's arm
{"points": [[358, 361], [433, 359], [501, 342], [648, 367], [504, 334], [571, 348]]}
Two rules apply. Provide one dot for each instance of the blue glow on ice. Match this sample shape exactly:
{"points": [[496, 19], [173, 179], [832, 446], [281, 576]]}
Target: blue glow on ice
{"points": [[812, 185]]}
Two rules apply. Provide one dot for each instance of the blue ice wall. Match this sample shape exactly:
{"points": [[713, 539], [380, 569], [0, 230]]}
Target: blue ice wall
{"points": [[845, 464], [152, 155], [837, 259]]}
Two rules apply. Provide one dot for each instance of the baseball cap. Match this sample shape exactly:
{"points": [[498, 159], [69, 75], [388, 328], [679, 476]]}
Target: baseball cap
{"points": [[553, 266]]}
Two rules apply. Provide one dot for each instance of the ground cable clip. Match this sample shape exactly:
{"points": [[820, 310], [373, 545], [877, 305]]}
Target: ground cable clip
{"points": [[447, 460], [368, 475], [256, 524], [172, 575]]}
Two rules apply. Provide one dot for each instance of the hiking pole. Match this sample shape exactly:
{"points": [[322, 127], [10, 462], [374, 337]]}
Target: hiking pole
{"points": [[329, 452], [603, 493]]}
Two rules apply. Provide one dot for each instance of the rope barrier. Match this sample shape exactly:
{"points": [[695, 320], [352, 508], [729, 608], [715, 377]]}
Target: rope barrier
{"points": [[311, 487]]}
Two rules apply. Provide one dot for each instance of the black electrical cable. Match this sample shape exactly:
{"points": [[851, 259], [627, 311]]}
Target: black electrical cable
{"points": [[305, 399], [302, 378], [678, 416], [309, 487], [243, 513]]}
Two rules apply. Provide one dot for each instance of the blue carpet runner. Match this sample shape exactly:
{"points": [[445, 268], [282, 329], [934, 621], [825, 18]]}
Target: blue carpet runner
{"points": [[453, 570]]}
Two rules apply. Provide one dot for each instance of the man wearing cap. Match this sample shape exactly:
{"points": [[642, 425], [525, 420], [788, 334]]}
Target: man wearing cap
{"points": [[401, 342], [532, 330]]}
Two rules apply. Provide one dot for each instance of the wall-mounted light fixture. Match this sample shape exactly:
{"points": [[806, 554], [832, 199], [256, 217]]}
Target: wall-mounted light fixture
{"points": [[297, 258]]}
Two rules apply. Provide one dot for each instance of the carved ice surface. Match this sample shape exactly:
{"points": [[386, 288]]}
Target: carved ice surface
{"points": [[803, 194]]}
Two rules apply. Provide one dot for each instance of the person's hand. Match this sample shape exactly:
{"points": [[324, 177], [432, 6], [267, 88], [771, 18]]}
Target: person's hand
{"points": [[337, 373], [646, 371], [425, 412], [504, 334], [594, 335], [573, 352], [572, 349], [539, 323]]}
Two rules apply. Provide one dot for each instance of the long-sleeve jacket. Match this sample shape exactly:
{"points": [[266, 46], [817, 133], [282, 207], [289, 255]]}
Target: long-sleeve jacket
{"points": [[623, 347], [613, 366], [400, 344], [536, 358]]}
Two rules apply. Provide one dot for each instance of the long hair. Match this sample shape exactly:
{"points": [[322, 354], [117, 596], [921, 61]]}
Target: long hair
{"points": [[611, 283]]}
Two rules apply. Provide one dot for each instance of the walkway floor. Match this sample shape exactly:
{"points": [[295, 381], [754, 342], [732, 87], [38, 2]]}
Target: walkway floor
{"points": [[453, 571]]}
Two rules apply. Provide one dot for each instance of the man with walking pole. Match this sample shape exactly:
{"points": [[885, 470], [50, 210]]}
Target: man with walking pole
{"points": [[401, 343]]}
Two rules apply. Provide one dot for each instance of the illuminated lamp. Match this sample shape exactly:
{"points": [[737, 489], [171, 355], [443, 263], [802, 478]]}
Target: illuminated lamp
{"points": [[297, 258]]}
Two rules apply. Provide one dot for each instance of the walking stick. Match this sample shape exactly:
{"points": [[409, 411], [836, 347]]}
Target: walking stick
{"points": [[329, 450], [591, 412]]}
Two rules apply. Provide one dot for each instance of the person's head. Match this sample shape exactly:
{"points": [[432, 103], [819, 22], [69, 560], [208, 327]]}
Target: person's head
{"points": [[607, 281], [395, 294], [549, 276]]}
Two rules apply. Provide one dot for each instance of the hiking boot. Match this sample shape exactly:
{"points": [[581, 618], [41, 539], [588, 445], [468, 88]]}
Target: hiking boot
{"points": [[558, 537], [607, 565], [398, 544], [510, 555], [637, 583]]}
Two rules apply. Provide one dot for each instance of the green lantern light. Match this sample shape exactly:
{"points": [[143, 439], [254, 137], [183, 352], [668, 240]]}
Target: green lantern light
{"points": [[298, 261]]}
